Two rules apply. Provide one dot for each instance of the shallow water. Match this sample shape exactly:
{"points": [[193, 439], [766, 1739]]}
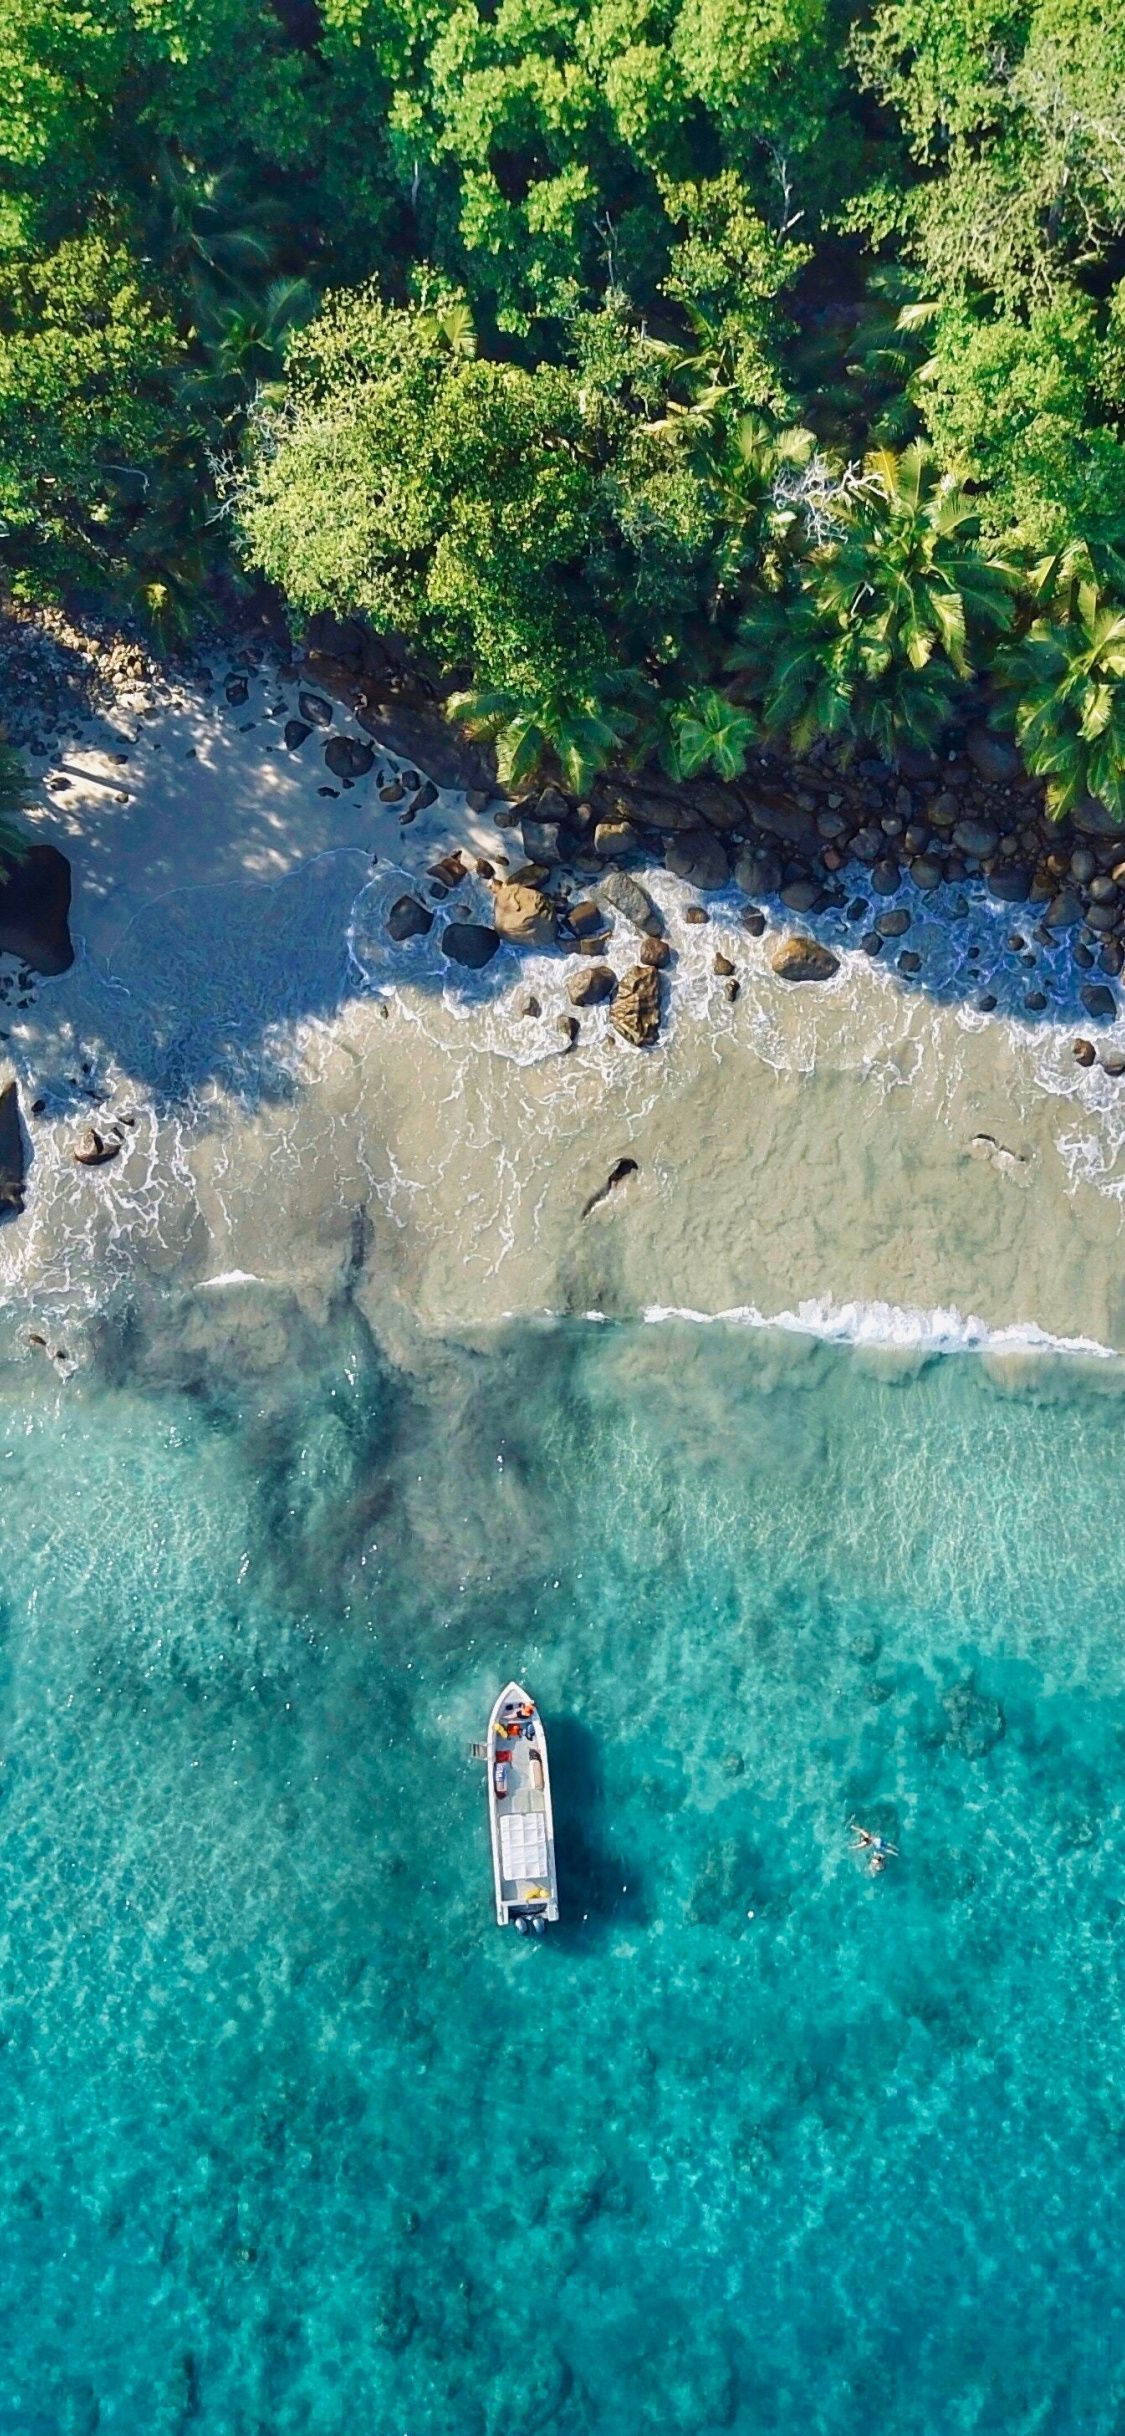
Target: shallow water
{"points": [[293, 2139]]}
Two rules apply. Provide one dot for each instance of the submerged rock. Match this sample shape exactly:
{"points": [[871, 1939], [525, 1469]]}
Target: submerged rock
{"points": [[408, 919], [95, 1149], [315, 709], [635, 1012], [796, 958], [13, 1162], [472, 944], [1098, 1000], [296, 731]]}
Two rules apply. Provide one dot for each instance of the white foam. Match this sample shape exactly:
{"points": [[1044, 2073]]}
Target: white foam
{"points": [[941, 1330]]}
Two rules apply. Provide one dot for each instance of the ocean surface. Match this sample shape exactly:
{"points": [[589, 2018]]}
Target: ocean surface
{"points": [[294, 2142]]}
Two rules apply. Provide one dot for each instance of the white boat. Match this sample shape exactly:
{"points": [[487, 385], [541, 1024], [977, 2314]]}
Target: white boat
{"points": [[520, 1815]]}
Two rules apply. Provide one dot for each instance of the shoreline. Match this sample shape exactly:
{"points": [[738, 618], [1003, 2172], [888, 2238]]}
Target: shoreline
{"points": [[865, 1146]]}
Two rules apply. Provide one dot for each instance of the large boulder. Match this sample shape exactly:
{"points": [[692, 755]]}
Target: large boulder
{"points": [[976, 837], [635, 1012], [1099, 1001], [759, 874], [626, 897], [789, 822], [472, 944], [408, 919], [34, 911], [347, 757], [1064, 911], [1011, 882], [523, 914], [13, 1160], [993, 760], [429, 744], [797, 958], [645, 808], [700, 858], [592, 986]]}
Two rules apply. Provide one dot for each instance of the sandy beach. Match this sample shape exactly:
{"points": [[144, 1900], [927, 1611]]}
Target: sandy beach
{"points": [[310, 1101]]}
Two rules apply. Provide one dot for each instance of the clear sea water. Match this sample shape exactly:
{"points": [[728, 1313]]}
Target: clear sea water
{"points": [[294, 2142]]}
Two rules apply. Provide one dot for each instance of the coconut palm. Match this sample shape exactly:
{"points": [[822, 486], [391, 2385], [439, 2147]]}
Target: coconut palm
{"points": [[707, 731], [1065, 686], [554, 728], [243, 337], [873, 636], [210, 221]]}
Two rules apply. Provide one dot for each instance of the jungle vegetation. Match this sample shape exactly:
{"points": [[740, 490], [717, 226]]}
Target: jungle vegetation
{"points": [[672, 372]]}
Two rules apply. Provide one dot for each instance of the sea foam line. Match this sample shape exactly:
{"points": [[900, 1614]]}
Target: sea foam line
{"points": [[941, 1330]]}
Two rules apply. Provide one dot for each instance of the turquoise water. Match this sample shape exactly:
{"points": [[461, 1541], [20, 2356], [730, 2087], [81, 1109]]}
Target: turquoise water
{"points": [[293, 2139]]}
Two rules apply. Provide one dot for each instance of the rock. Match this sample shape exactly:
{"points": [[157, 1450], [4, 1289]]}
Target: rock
{"points": [[1101, 917], [1103, 890], [315, 709], [337, 638], [985, 1002], [731, 990], [1098, 1000], [526, 1003], [523, 914], [1082, 865], [758, 874], [408, 919], [802, 896], [976, 837], [700, 858], [796, 958], [296, 731], [346, 757], [570, 1028], [993, 760], [892, 925], [93, 1149], [795, 827], [655, 952], [1064, 910], [431, 744], [753, 920], [1112, 1061], [992, 1153], [646, 808], [924, 872], [910, 961], [619, 1174], [722, 964], [872, 943], [1085, 1053], [13, 1160], [635, 1011], [586, 919], [472, 944], [612, 837], [885, 877], [696, 914], [1011, 882], [592, 986], [541, 840], [626, 897], [1094, 820], [1035, 1001], [34, 911]]}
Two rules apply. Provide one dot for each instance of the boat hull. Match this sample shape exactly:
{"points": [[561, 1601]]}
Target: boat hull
{"points": [[520, 1816]]}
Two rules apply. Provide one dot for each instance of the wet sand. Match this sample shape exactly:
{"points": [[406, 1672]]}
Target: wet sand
{"points": [[315, 1107]]}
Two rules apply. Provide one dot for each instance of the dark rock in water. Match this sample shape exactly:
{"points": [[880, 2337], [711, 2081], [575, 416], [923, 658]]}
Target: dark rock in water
{"points": [[1011, 883], [34, 910], [925, 871], [993, 760], [586, 919], [731, 990], [570, 1028], [796, 958], [315, 709], [1035, 1001], [1085, 1053], [472, 944], [985, 1003], [872, 943], [94, 1149], [296, 731], [408, 919], [635, 1012], [759, 874], [721, 964], [655, 952], [700, 858], [346, 757], [527, 1004], [627, 897], [802, 896], [1098, 1000], [13, 1161], [1112, 1061], [1064, 910], [885, 877], [976, 1723], [592, 986], [910, 961], [893, 923], [753, 920], [541, 840], [619, 1173], [236, 689]]}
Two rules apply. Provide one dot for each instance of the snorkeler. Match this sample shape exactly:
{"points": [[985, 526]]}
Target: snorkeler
{"points": [[876, 1847]]}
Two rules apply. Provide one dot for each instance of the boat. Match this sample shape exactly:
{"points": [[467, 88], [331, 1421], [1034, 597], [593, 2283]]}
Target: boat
{"points": [[519, 1814]]}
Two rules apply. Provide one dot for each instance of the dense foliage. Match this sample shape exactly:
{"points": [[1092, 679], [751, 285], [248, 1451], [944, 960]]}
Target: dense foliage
{"points": [[671, 370]]}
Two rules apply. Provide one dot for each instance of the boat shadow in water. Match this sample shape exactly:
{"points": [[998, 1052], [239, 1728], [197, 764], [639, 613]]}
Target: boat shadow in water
{"points": [[598, 1883]]}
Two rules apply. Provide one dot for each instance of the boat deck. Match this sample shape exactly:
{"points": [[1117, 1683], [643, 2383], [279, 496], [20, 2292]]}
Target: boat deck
{"points": [[519, 1788]]}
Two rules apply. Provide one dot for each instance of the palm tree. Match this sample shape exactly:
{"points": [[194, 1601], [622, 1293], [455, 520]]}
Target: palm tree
{"points": [[872, 638], [1065, 680], [552, 727], [243, 337], [209, 221], [707, 731]]}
